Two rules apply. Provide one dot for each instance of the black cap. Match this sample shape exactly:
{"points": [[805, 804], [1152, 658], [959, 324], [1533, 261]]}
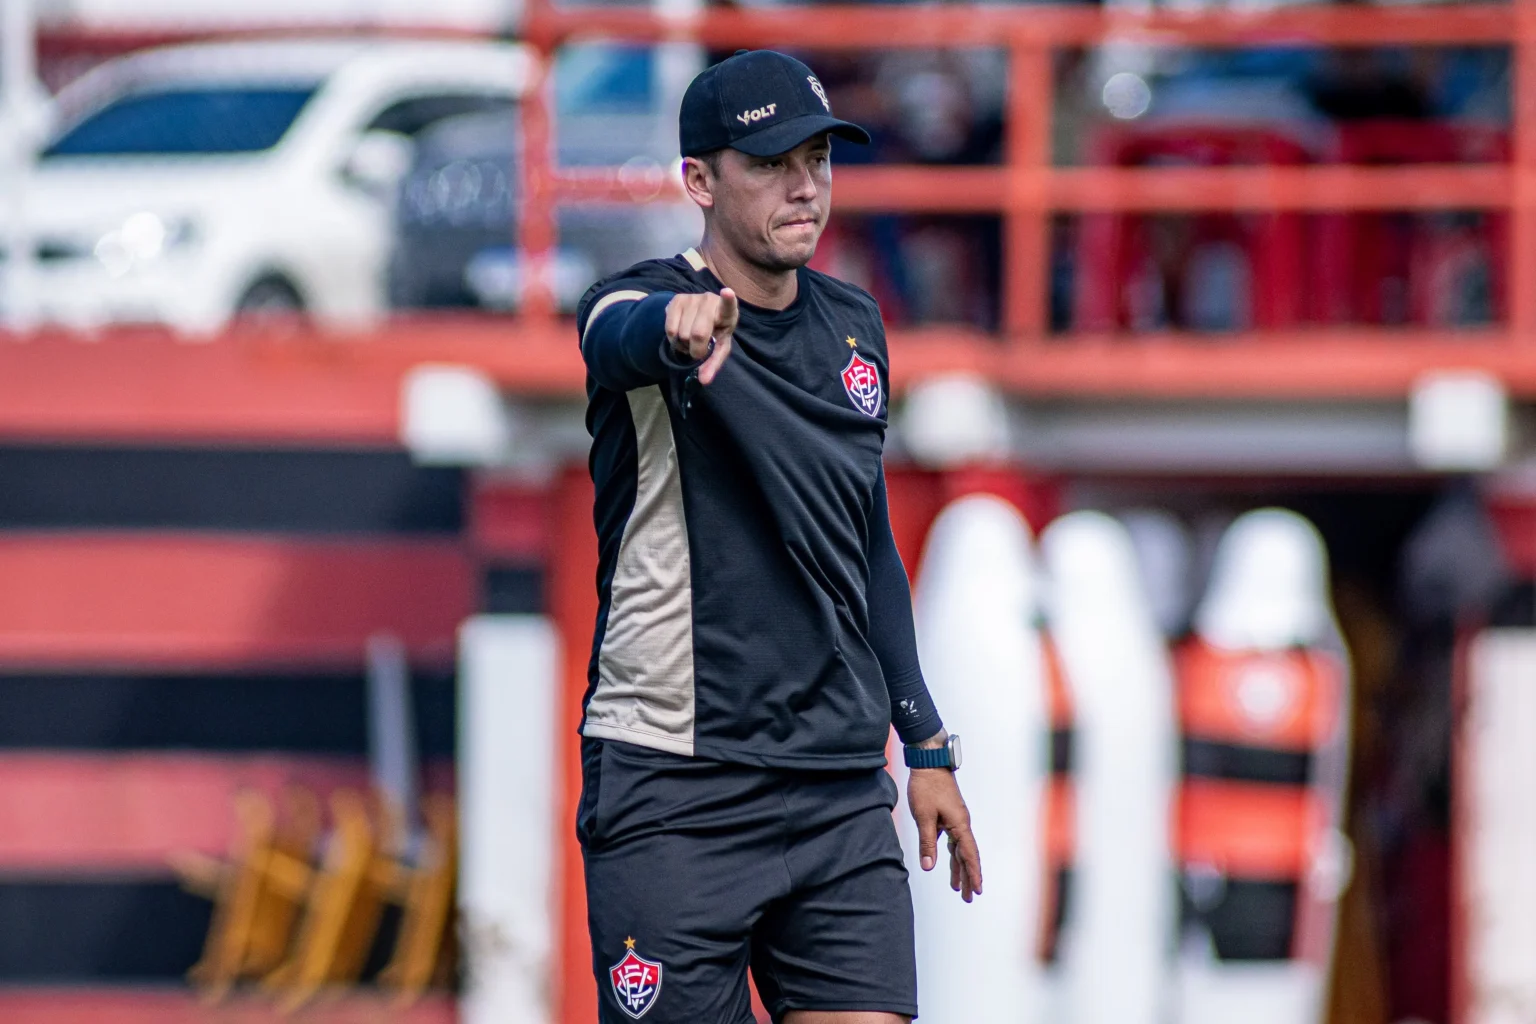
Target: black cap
{"points": [[760, 102]]}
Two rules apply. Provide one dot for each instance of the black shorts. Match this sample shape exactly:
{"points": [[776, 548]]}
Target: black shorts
{"points": [[697, 869]]}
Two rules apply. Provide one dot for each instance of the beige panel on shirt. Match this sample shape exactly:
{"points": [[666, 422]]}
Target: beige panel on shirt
{"points": [[645, 689], [607, 301]]}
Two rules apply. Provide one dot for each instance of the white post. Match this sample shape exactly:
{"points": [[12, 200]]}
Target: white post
{"points": [[18, 139], [509, 680], [975, 606], [1124, 909], [1498, 874]]}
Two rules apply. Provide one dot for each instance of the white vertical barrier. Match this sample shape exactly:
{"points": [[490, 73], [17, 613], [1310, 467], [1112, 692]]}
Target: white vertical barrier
{"points": [[1498, 877], [976, 605], [509, 681], [1268, 597], [1117, 944], [23, 118]]}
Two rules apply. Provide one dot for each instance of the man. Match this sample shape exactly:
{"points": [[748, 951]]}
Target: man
{"points": [[754, 641]]}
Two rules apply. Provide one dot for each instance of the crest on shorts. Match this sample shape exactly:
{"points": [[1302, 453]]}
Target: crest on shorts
{"points": [[862, 382], [636, 982]]}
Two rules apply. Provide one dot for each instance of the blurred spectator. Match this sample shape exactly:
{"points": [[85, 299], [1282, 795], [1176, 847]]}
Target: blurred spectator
{"points": [[946, 106], [921, 107], [1356, 85]]}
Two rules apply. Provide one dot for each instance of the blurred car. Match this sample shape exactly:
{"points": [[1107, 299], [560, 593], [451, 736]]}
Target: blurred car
{"points": [[193, 184], [456, 220]]}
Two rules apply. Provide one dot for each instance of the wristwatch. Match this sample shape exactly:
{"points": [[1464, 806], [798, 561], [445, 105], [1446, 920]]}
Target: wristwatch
{"points": [[947, 756]]}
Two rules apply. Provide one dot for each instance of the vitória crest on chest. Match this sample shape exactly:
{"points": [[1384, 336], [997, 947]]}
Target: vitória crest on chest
{"points": [[861, 379]]}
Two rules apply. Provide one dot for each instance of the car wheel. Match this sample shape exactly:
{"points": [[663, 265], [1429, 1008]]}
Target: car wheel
{"points": [[270, 297]]}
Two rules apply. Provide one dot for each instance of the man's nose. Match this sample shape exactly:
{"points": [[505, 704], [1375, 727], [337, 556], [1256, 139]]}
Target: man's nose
{"points": [[802, 184]]}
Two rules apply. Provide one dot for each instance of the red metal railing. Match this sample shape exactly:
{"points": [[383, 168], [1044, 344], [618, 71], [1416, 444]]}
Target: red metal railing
{"points": [[1027, 189], [534, 351]]}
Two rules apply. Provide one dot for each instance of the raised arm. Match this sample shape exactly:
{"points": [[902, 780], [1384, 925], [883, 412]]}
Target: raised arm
{"points": [[630, 338]]}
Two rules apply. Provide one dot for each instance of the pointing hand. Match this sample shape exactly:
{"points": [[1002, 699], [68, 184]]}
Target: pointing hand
{"points": [[700, 325]]}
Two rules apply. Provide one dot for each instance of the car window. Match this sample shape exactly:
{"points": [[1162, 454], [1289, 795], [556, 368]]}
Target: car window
{"points": [[184, 121], [411, 116]]}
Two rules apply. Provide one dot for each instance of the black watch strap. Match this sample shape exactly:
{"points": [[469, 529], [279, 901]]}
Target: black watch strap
{"points": [[926, 757]]}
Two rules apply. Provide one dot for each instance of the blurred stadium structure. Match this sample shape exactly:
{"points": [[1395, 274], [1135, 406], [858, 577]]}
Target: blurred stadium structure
{"points": [[297, 555]]}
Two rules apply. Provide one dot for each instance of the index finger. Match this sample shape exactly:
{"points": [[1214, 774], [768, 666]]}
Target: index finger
{"points": [[726, 318]]}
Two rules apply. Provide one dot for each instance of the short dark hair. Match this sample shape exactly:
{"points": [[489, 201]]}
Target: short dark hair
{"points": [[712, 158]]}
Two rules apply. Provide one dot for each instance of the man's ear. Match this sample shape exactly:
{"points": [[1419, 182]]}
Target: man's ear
{"points": [[698, 182]]}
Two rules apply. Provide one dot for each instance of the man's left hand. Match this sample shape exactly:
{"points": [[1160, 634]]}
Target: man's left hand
{"points": [[934, 798]]}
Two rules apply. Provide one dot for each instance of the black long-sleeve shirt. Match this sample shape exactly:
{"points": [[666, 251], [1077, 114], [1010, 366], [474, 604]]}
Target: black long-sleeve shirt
{"points": [[753, 606]]}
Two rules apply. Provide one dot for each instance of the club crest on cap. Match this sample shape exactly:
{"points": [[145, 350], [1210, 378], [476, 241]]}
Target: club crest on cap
{"points": [[821, 93]]}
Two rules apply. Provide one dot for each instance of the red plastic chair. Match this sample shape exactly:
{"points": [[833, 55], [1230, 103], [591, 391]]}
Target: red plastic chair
{"points": [[1361, 255], [1112, 248]]}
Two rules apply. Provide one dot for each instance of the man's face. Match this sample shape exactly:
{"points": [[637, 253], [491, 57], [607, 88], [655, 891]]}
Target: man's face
{"points": [[769, 209]]}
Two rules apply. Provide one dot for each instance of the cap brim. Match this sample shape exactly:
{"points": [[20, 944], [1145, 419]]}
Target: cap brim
{"points": [[786, 135]]}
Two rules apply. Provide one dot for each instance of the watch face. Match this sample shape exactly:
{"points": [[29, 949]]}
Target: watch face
{"points": [[954, 751]]}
